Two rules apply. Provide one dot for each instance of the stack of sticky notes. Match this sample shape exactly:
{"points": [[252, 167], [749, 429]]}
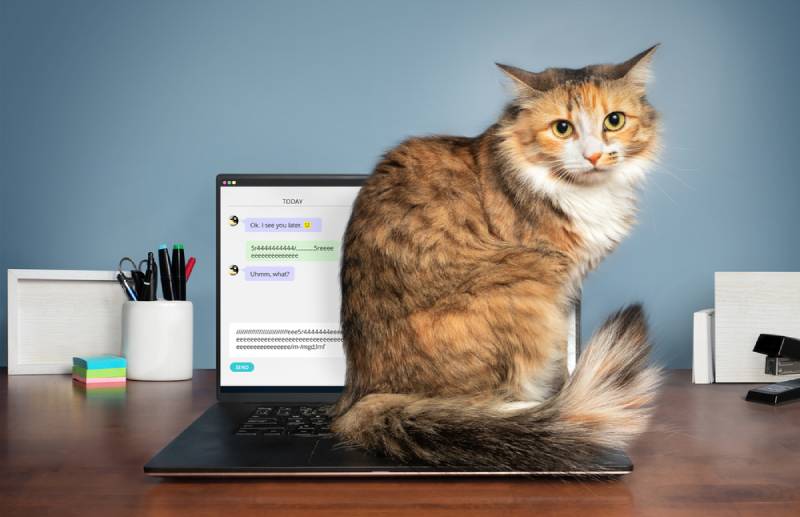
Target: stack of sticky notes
{"points": [[102, 370]]}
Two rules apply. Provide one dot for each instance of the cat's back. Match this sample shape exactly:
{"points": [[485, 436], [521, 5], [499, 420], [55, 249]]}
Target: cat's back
{"points": [[427, 175], [419, 211]]}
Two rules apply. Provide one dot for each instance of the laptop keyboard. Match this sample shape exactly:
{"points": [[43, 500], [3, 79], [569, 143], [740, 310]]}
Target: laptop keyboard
{"points": [[303, 421]]}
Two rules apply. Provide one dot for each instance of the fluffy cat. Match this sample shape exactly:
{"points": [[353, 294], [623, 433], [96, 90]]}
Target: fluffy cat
{"points": [[460, 261]]}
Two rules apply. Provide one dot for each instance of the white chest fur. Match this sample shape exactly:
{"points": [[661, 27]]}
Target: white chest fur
{"points": [[602, 214]]}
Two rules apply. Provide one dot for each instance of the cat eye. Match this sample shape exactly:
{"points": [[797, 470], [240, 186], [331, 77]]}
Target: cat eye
{"points": [[561, 128], [614, 121]]}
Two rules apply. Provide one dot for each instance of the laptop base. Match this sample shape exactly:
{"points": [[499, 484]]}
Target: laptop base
{"points": [[211, 448]]}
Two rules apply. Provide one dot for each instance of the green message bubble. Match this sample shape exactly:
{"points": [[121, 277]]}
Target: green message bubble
{"points": [[302, 251]]}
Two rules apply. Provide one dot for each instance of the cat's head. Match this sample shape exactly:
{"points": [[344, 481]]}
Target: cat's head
{"points": [[582, 126]]}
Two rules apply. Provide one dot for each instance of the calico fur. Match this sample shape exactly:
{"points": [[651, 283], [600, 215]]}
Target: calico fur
{"points": [[460, 262]]}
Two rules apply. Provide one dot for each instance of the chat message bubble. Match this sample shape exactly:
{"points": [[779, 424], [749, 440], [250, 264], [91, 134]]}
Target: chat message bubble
{"points": [[285, 340], [284, 224], [302, 251], [269, 274]]}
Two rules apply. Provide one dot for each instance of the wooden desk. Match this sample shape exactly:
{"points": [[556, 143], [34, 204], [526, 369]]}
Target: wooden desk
{"points": [[709, 453]]}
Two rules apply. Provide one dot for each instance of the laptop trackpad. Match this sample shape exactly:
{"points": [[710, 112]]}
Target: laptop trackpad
{"points": [[330, 452]]}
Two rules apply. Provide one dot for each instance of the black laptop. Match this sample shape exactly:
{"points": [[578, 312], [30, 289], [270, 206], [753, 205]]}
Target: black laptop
{"points": [[279, 346]]}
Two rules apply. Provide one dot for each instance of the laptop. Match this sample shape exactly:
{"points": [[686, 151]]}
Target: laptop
{"points": [[280, 359]]}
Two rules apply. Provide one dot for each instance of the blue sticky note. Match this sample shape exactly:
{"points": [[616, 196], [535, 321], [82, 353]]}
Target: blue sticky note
{"points": [[99, 361]]}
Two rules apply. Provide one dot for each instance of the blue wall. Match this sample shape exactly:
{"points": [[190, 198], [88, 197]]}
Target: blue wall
{"points": [[104, 100]]}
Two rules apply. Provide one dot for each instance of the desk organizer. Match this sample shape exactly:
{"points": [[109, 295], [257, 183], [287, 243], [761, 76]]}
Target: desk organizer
{"points": [[157, 340]]}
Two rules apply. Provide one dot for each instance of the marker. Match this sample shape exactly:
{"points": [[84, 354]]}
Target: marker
{"points": [[127, 287], [166, 272], [178, 272], [190, 266]]}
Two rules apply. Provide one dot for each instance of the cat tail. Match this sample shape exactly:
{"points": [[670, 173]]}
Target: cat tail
{"points": [[603, 405]]}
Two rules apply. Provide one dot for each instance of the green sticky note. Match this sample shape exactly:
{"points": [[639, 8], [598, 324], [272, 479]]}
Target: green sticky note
{"points": [[98, 373]]}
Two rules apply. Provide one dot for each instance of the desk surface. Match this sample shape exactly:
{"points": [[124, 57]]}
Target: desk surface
{"points": [[708, 452]]}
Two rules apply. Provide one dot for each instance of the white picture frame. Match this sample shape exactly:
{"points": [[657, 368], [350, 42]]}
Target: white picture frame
{"points": [[54, 315], [747, 304]]}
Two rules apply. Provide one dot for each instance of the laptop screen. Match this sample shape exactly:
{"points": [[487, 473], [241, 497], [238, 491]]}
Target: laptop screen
{"points": [[279, 250]]}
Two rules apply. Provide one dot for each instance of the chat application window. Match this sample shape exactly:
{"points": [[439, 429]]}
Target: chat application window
{"points": [[280, 250]]}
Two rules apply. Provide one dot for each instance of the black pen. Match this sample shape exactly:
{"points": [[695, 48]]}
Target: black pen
{"points": [[138, 284], [166, 272], [150, 274]]}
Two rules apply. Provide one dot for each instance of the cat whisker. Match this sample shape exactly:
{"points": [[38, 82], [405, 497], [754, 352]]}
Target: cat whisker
{"points": [[671, 174], [664, 192]]}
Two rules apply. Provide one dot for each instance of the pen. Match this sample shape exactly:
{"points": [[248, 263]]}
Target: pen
{"points": [[150, 274], [166, 272], [138, 284], [178, 272], [190, 266], [124, 283]]}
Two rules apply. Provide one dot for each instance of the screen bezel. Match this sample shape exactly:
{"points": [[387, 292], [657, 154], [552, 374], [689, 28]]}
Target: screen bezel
{"points": [[273, 393]]}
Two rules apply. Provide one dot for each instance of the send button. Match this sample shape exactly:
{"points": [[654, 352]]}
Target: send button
{"points": [[242, 367]]}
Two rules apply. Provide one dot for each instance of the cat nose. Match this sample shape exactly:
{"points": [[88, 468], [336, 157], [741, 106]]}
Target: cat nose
{"points": [[593, 157]]}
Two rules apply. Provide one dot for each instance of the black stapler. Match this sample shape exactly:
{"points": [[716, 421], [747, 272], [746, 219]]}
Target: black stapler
{"points": [[783, 358]]}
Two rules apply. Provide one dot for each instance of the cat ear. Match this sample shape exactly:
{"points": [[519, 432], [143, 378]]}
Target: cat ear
{"points": [[637, 69], [524, 81]]}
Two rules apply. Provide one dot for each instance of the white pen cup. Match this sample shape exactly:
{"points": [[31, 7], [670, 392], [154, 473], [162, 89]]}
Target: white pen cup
{"points": [[157, 340]]}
